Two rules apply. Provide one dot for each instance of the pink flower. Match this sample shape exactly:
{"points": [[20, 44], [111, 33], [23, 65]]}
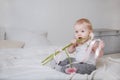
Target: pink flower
{"points": [[70, 70]]}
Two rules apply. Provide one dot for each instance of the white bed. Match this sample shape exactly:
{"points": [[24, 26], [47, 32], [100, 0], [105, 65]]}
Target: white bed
{"points": [[25, 64], [18, 63]]}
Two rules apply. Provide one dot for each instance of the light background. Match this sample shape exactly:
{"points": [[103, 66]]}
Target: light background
{"points": [[58, 16]]}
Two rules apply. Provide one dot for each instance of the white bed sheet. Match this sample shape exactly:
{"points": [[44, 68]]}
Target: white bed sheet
{"points": [[25, 64], [110, 70]]}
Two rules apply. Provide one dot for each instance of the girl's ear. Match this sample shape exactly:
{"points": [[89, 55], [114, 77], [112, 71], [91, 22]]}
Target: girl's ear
{"points": [[91, 35]]}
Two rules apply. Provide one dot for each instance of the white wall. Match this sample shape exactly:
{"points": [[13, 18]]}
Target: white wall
{"points": [[58, 16]]}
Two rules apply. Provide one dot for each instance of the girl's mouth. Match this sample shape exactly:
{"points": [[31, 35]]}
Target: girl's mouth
{"points": [[79, 37]]}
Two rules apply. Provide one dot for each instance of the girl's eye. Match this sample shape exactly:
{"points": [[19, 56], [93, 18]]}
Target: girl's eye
{"points": [[76, 31], [82, 31]]}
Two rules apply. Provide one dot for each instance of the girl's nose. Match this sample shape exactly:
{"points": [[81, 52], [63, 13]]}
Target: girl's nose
{"points": [[78, 36]]}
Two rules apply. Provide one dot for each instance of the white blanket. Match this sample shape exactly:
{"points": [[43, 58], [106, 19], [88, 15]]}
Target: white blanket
{"points": [[25, 64]]}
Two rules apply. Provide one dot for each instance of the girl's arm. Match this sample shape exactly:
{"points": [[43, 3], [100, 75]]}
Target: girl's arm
{"points": [[101, 53], [95, 46], [71, 49]]}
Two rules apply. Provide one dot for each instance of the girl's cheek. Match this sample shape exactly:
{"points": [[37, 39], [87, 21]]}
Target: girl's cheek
{"points": [[76, 36]]}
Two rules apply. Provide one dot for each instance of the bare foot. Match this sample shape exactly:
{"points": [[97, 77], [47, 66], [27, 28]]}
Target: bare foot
{"points": [[71, 70]]}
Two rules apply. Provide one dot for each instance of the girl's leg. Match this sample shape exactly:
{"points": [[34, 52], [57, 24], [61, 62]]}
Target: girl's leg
{"points": [[82, 68], [66, 61]]}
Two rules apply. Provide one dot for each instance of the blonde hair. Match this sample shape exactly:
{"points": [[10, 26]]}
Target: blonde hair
{"points": [[86, 22]]}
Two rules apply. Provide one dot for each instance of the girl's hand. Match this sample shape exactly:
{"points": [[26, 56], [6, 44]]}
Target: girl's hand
{"points": [[72, 48], [100, 44], [74, 41], [77, 42]]}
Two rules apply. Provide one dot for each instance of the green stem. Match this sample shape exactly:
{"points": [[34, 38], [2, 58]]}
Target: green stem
{"points": [[68, 58], [51, 56]]}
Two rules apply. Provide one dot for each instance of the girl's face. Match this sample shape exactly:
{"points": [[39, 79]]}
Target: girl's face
{"points": [[81, 31]]}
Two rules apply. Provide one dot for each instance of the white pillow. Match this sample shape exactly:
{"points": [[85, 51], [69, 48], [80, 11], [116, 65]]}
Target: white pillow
{"points": [[11, 44], [31, 38]]}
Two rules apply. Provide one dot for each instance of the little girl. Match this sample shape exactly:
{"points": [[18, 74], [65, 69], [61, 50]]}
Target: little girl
{"points": [[86, 53]]}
